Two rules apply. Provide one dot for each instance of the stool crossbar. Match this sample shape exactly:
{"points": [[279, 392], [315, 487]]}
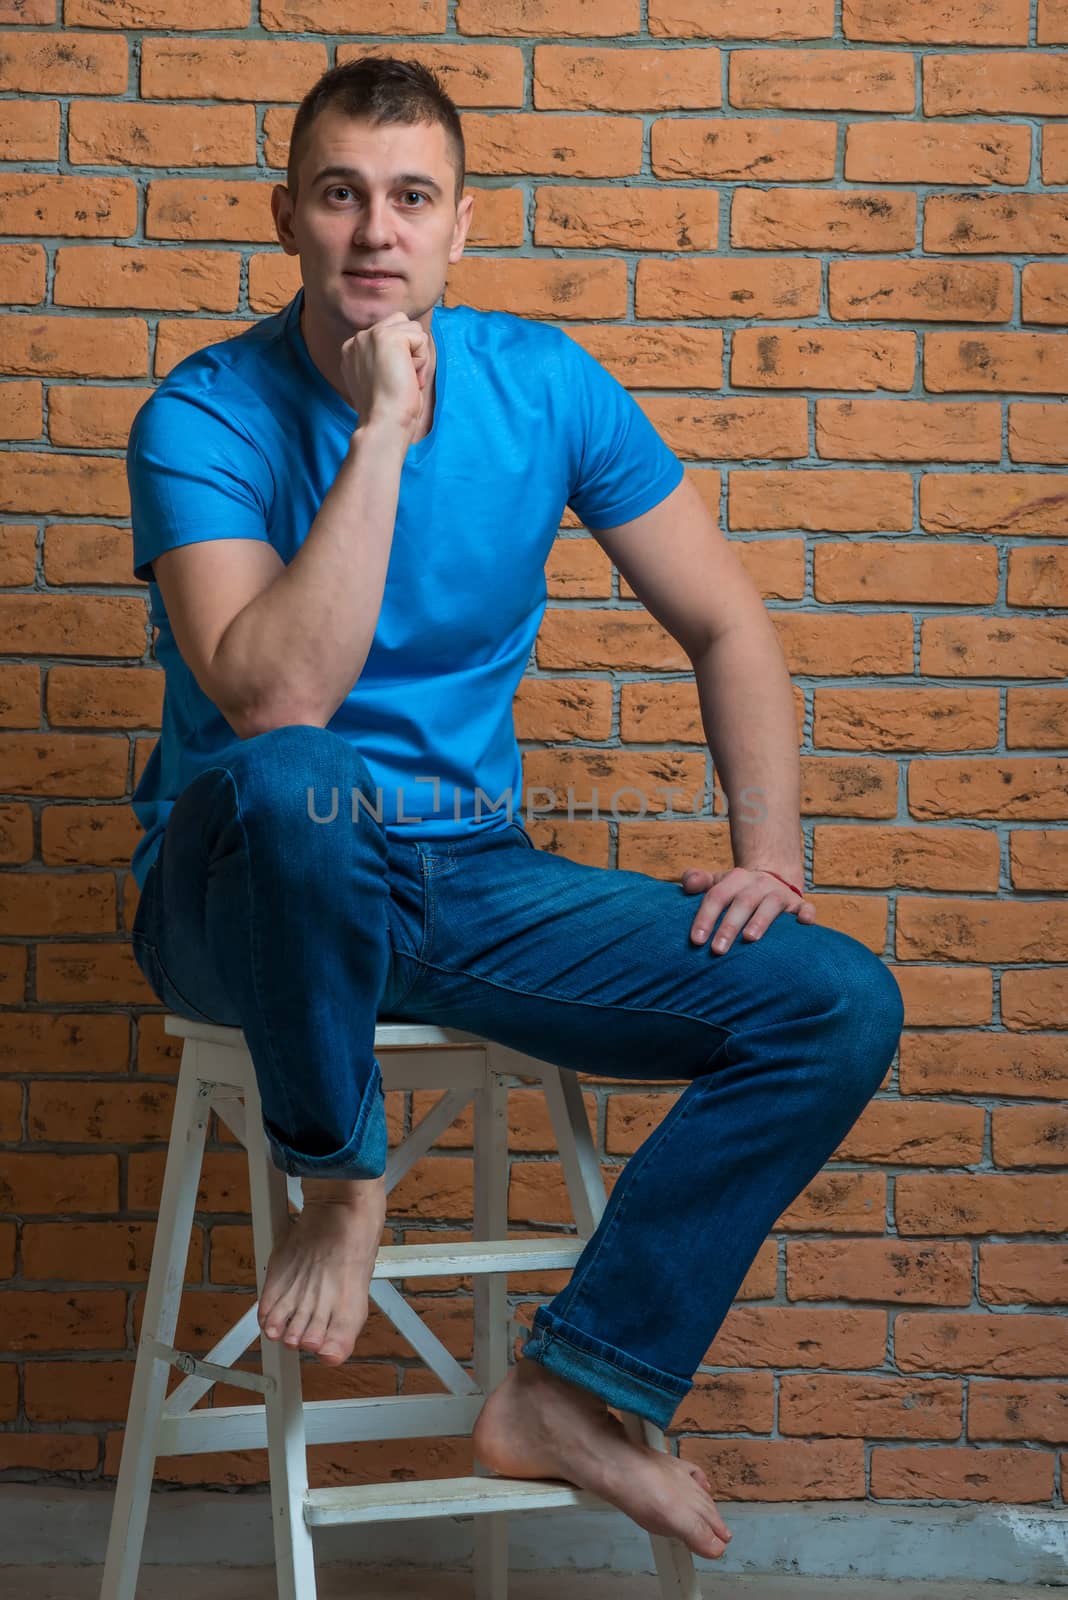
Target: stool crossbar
{"points": [[217, 1073]]}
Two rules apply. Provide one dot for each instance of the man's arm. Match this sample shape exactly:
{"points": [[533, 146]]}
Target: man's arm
{"points": [[685, 573]]}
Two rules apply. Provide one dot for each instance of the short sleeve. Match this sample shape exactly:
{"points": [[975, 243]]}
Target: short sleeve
{"points": [[622, 465], [193, 475]]}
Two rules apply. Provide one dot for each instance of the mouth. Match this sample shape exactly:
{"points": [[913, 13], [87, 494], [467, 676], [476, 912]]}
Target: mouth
{"points": [[373, 277]]}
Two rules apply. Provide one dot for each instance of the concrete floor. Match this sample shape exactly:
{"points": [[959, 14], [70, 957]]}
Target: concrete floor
{"points": [[368, 1583]]}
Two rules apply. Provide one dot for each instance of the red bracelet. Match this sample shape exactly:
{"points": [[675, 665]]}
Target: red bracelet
{"points": [[789, 885]]}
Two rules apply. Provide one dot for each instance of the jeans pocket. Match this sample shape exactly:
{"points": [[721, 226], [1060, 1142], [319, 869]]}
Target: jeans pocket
{"points": [[147, 957]]}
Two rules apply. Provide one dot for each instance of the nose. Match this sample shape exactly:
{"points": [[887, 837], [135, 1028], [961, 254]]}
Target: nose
{"points": [[373, 227]]}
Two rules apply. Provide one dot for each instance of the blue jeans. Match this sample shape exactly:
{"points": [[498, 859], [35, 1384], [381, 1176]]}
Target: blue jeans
{"points": [[306, 933]]}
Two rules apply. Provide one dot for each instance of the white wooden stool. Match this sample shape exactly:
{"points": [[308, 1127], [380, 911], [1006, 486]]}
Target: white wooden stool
{"points": [[217, 1073]]}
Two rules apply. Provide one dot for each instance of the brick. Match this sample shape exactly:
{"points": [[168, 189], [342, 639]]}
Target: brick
{"points": [[27, 11], [838, 1202], [42, 202], [63, 63], [1007, 1344], [97, 1252], [57, 1391], [21, 410], [649, 219], [879, 1269], [527, 142], [1018, 223], [576, 569], [18, 561], [915, 1135], [89, 836], [90, 416], [51, 482], [763, 19], [100, 1113], [922, 291], [1037, 432], [104, 697], [568, 708], [664, 849], [945, 996], [29, 130], [43, 1185], [48, 1452], [821, 219], [735, 1402], [824, 358], [22, 274], [80, 625], [912, 858], [654, 358], [149, 279], [939, 1472], [175, 14], [80, 553], [926, 719], [1021, 1274], [950, 22], [570, 78], [1052, 25], [475, 74], [87, 974], [736, 428], [1038, 859], [1004, 82], [1038, 578], [889, 572], [540, 288], [902, 152], [823, 501], [727, 288], [1055, 153], [35, 1042], [19, 695], [799, 1336], [996, 1064], [836, 786], [16, 835], [63, 764], [825, 1405], [209, 208], [996, 502], [822, 80], [1037, 998], [989, 787], [1033, 1412], [74, 347], [13, 969], [1044, 289], [909, 430], [1036, 717], [1033, 362], [980, 1203], [229, 69], [1026, 1136], [548, 18], [591, 783], [139, 134], [769, 1469], [176, 340], [594, 639], [783, 150], [33, 903], [1028, 647]]}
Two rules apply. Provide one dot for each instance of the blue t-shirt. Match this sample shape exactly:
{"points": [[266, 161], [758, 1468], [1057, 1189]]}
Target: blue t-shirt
{"points": [[243, 439]]}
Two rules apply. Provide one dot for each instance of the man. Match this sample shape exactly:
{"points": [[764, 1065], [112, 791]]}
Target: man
{"points": [[344, 514]]}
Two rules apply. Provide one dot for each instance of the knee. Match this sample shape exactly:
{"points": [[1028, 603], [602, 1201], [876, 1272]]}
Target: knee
{"points": [[299, 775], [863, 1009]]}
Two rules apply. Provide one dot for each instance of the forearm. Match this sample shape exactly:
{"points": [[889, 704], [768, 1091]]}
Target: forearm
{"points": [[747, 707], [294, 652]]}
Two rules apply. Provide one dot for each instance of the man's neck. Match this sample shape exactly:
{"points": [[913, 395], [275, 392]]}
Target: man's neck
{"points": [[326, 355]]}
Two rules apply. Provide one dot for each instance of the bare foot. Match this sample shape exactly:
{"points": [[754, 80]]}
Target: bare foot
{"points": [[538, 1425], [315, 1293]]}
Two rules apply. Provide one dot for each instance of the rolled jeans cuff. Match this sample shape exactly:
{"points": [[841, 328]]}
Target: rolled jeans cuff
{"points": [[618, 1378], [362, 1156]]}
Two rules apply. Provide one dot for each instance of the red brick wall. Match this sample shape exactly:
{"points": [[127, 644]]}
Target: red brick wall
{"points": [[833, 245]]}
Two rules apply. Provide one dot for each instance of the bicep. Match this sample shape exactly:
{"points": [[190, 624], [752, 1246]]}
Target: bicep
{"points": [[682, 568]]}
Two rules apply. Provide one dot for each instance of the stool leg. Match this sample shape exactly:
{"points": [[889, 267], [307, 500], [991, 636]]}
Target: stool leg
{"points": [[491, 1307], [287, 1450], [586, 1188], [170, 1251]]}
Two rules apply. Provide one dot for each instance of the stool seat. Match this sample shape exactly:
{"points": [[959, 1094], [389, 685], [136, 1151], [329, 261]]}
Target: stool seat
{"points": [[217, 1075]]}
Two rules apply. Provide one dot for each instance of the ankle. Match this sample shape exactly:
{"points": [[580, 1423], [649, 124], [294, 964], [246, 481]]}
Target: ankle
{"points": [[357, 1194]]}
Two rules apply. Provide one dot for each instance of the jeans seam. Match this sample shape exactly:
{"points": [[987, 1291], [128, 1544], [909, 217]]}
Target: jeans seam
{"points": [[551, 1336], [569, 1000]]}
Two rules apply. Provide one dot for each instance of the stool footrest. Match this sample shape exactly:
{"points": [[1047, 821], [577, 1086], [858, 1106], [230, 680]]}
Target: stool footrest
{"points": [[445, 1497], [476, 1256]]}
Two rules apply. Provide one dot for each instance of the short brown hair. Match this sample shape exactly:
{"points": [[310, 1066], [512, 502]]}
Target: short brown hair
{"points": [[381, 89]]}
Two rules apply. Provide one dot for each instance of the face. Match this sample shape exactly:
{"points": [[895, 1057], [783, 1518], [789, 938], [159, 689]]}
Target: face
{"points": [[390, 206]]}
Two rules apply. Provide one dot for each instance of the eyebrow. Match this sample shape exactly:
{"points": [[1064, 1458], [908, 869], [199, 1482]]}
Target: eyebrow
{"points": [[402, 177]]}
